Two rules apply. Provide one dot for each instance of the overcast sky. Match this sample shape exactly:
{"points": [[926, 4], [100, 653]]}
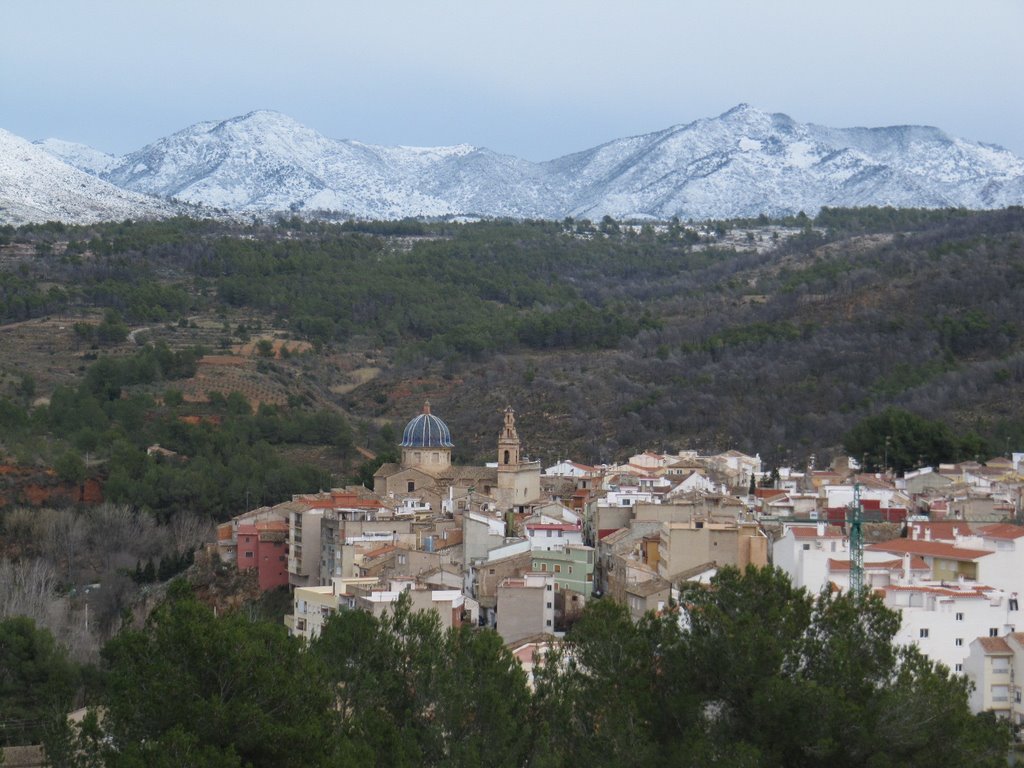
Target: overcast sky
{"points": [[536, 79]]}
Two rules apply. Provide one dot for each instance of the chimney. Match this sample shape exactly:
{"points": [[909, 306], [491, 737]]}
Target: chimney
{"points": [[906, 567], [927, 534], [915, 530], [821, 528]]}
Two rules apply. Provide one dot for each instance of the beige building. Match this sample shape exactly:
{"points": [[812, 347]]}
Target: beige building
{"points": [[685, 545], [526, 606], [651, 595], [487, 575], [312, 606], [995, 665]]}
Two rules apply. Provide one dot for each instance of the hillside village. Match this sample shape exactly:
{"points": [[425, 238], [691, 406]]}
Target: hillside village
{"points": [[522, 548]]}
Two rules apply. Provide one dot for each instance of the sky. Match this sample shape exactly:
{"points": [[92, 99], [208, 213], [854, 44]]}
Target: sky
{"points": [[533, 78]]}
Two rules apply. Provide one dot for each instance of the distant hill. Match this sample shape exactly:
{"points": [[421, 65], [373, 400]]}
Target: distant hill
{"points": [[742, 163], [770, 337]]}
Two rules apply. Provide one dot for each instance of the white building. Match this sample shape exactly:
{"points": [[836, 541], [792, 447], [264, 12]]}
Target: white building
{"points": [[804, 550], [943, 619], [553, 536]]}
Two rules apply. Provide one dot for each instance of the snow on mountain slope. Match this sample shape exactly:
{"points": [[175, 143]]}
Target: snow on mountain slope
{"points": [[80, 156], [36, 187], [747, 162], [741, 163]]}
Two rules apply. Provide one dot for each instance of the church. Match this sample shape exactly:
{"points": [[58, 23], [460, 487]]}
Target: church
{"points": [[426, 471]]}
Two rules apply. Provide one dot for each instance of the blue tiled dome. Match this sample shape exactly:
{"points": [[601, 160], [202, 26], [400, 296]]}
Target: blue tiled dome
{"points": [[426, 431]]}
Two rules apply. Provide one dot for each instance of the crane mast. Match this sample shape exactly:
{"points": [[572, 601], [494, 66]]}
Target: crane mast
{"points": [[855, 514]]}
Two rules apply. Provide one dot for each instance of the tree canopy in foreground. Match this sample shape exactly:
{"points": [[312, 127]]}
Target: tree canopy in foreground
{"points": [[750, 672]]}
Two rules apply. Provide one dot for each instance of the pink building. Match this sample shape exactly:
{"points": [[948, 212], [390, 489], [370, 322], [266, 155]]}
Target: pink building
{"points": [[264, 546]]}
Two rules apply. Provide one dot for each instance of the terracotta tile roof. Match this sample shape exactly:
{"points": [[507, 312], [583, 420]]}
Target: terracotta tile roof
{"points": [[916, 564], [272, 525], [929, 549], [995, 646], [811, 532], [551, 527], [380, 551], [1002, 531]]}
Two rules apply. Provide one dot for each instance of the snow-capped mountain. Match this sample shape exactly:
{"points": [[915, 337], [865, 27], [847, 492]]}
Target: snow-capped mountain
{"points": [[742, 163], [747, 162], [36, 186]]}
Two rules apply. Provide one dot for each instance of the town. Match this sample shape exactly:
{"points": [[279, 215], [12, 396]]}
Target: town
{"points": [[522, 548]]}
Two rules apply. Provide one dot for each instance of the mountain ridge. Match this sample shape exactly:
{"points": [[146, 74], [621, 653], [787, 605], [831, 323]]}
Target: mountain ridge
{"points": [[744, 162]]}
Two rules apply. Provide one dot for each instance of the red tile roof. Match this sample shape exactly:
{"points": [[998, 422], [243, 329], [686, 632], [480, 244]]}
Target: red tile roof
{"points": [[916, 564], [380, 551], [995, 645], [1002, 531], [811, 532], [929, 549]]}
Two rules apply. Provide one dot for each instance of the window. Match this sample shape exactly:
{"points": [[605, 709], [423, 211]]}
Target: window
{"points": [[923, 633], [807, 547], [549, 605], [491, 571], [548, 622], [959, 617], [549, 587], [570, 570], [959, 668], [959, 641], [544, 567], [411, 486], [993, 631], [590, 577], [250, 554], [1013, 603], [558, 568]]}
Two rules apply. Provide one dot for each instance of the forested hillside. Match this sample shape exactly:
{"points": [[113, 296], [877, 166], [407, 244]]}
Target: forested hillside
{"points": [[771, 337]]}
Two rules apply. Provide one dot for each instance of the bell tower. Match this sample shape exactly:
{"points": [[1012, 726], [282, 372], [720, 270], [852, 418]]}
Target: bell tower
{"points": [[508, 441], [518, 481]]}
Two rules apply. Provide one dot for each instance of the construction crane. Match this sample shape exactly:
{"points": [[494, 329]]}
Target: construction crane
{"points": [[854, 516]]}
